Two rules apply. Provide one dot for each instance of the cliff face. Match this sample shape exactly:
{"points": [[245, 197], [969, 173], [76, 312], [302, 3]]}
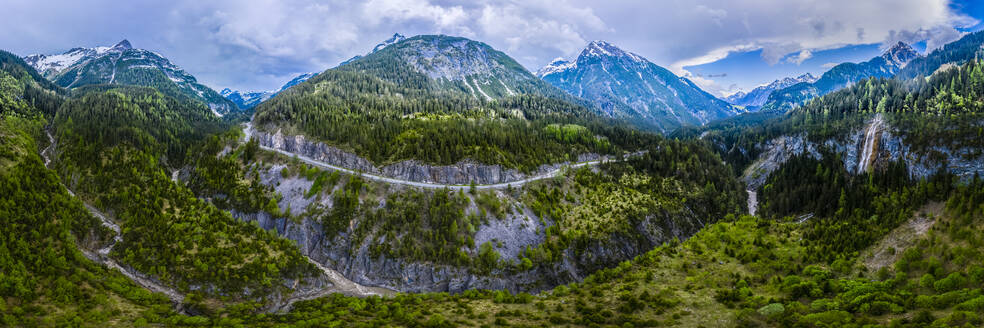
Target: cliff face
{"points": [[356, 264], [349, 255], [866, 149], [462, 173]]}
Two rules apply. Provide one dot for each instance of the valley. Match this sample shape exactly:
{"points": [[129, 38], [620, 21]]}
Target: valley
{"points": [[435, 181]]}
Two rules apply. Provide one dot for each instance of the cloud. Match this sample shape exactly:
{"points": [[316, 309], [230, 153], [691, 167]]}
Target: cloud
{"points": [[799, 58], [260, 44], [829, 65]]}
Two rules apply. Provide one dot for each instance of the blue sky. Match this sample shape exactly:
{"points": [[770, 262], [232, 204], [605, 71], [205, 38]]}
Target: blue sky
{"points": [[744, 70], [723, 45]]}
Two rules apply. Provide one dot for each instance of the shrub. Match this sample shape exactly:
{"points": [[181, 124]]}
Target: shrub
{"points": [[772, 310]]}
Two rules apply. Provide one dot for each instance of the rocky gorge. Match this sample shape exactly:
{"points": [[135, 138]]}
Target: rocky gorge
{"points": [[348, 253], [862, 150]]}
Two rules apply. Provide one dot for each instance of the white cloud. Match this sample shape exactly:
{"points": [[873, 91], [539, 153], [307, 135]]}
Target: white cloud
{"points": [[799, 58], [257, 44]]}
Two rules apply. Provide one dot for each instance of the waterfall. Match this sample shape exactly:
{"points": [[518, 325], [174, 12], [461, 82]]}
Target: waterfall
{"points": [[752, 202], [870, 143]]}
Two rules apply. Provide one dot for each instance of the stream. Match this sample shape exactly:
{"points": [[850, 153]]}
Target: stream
{"points": [[340, 284]]}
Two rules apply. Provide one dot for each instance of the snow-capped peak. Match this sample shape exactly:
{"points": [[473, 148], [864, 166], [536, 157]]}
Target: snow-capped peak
{"points": [[396, 38], [559, 64], [123, 45], [56, 63], [600, 48], [297, 80], [900, 54], [595, 49]]}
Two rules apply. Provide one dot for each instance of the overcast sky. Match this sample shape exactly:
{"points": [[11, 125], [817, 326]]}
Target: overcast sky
{"points": [[723, 45]]}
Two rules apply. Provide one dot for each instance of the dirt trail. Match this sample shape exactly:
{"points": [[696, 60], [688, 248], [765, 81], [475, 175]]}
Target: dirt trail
{"points": [[890, 248]]}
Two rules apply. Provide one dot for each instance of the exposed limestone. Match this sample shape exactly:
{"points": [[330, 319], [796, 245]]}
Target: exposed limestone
{"points": [[882, 143], [462, 173], [516, 230]]}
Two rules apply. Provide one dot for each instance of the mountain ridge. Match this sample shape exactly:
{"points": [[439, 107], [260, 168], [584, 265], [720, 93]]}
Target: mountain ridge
{"points": [[249, 99], [843, 75], [626, 85], [758, 96], [125, 65]]}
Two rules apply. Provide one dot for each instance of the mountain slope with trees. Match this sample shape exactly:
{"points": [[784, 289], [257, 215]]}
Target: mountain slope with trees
{"points": [[122, 64], [397, 104]]}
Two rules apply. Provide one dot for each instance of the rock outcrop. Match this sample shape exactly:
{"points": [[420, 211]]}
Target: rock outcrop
{"points": [[463, 173], [514, 231], [889, 146]]}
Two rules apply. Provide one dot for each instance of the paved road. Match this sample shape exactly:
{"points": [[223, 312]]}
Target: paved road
{"points": [[248, 131]]}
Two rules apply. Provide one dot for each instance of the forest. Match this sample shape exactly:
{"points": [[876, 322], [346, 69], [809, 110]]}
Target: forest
{"points": [[829, 248], [386, 112]]}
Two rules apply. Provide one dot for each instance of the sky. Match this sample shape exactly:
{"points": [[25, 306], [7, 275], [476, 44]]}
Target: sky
{"points": [[724, 46]]}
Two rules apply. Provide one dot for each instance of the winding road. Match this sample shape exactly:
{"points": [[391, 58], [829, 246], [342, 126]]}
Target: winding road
{"points": [[248, 131]]}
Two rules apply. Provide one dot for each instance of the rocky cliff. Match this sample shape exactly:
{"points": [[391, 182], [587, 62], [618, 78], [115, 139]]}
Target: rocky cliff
{"points": [[463, 173], [515, 231], [865, 149]]}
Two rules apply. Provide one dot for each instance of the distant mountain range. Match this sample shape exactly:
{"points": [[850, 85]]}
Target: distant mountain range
{"points": [[625, 85], [840, 76], [125, 65], [758, 96], [249, 99]]}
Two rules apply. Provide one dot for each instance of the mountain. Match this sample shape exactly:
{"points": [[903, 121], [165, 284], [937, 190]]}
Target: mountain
{"points": [[249, 99], [396, 38], [953, 54], [452, 64], [297, 80], [758, 96], [122, 64], [625, 85], [433, 89], [843, 75]]}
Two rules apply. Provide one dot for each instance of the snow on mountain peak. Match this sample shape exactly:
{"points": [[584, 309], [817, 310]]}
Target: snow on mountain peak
{"points": [[900, 54], [123, 45], [396, 38], [595, 49], [559, 64], [600, 48]]}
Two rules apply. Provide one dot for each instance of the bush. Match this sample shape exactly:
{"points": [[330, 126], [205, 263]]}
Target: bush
{"points": [[772, 310], [950, 283]]}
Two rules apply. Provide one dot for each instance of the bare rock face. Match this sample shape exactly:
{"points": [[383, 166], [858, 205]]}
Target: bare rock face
{"points": [[777, 151], [517, 230], [890, 147], [462, 173]]}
